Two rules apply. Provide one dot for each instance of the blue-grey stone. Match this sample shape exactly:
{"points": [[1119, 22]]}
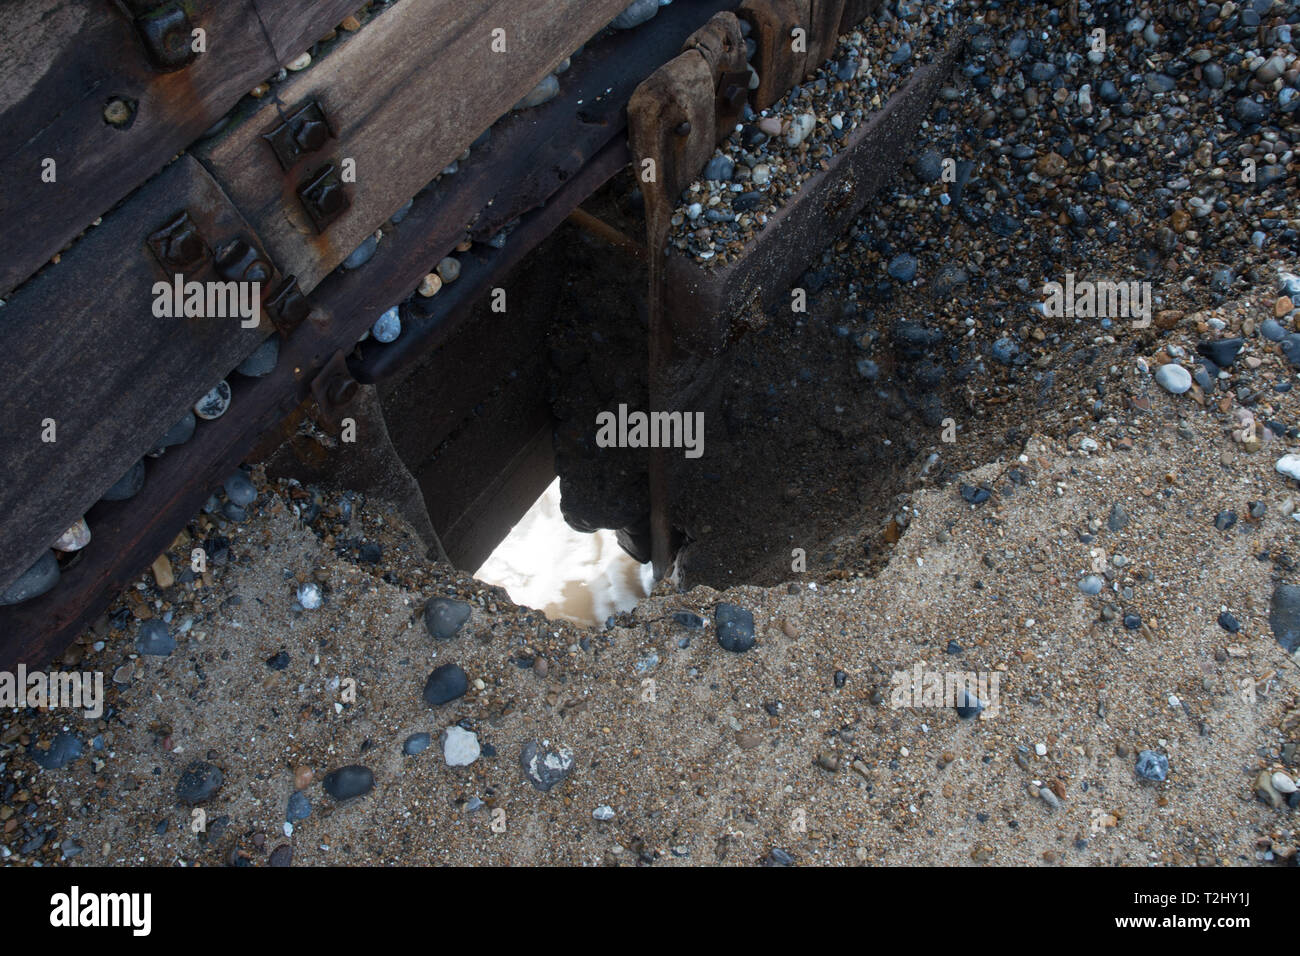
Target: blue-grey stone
{"points": [[929, 166], [403, 211], [968, 705], [299, 807], [240, 490], [688, 619], [34, 582], [348, 782], [901, 55], [262, 361], [64, 749], [903, 267], [868, 369], [1173, 378], [719, 168], [178, 434], [445, 684], [1152, 766], [1212, 74], [233, 512], [443, 617], [215, 403], [735, 627], [1092, 584], [1272, 330], [416, 744], [634, 14], [1284, 616], [545, 768], [1005, 350], [362, 253], [543, 92], [198, 782], [129, 485], [388, 326], [153, 639], [1222, 352], [1249, 111]]}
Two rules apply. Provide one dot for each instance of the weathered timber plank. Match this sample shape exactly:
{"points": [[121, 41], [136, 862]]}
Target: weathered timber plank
{"points": [[61, 61], [80, 344], [702, 300], [403, 98]]}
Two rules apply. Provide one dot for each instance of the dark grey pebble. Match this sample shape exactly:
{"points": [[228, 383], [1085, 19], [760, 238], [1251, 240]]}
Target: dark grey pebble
{"points": [[64, 749], [240, 490], [153, 639], [975, 494], [1132, 621], [1222, 352], [1004, 350], [362, 253], [968, 705], [129, 485], [34, 582], [1249, 111], [1229, 623], [178, 434], [445, 684], [544, 768], [1118, 518], [1284, 616], [1152, 766], [348, 782], [281, 856], [719, 169], [1225, 520], [443, 617], [779, 857], [198, 782], [735, 627], [262, 360], [278, 662], [688, 619], [405, 208], [299, 807], [416, 744], [1272, 330], [903, 267]]}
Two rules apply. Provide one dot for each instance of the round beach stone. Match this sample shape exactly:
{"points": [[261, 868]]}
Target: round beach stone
{"points": [[153, 639], [262, 361], [545, 767], [735, 627], [1152, 765], [129, 485], [240, 490], [445, 684], [75, 538], [63, 749], [635, 14], [448, 269], [215, 403], [349, 782], [1173, 378], [460, 747], [199, 781], [362, 253], [443, 617], [34, 582], [178, 434], [417, 743], [388, 327]]}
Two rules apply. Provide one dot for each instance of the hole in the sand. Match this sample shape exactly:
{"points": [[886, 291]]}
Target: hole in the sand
{"points": [[545, 564]]}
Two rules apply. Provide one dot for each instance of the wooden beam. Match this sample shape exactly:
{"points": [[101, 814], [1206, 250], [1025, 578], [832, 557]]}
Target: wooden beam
{"points": [[62, 61]]}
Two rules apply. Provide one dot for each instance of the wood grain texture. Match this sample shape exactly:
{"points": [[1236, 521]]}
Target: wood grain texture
{"points": [[80, 344], [61, 61], [404, 97]]}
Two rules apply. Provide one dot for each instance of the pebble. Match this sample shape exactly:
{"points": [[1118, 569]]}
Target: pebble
{"points": [[299, 62], [445, 684], [1173, 378], [1222, 352], [903, 267], [688, 619], [34, 582], [178, 434], [348, 782], [153, 639], [299, 807], [719, 169], [546, 90], [1283, 783], [198, 782], [735, 627], [239, 489], [1152, 765], [362, 253], [215, 403], [388, 326], [262, 360], [444, 617], [63, 749], [1289, 465], [545, 767], [800, 127], [460, 747], [1284, 616], [448, 269], [1092, 584], [1225, 520], [603, 812], [309, 596], [128, 486], [417, 744], [74, 539], [968, 705], [1229, 623], [635, 14]]}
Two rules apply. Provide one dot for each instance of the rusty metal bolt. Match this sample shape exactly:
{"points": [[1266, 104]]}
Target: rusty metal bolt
{"points": [[238, 261], [178, 245], [167, 35], [310, 135], [323, 197]]}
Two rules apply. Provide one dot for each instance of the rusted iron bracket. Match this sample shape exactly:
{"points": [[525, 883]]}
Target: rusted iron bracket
{"points": [[334, 388]]}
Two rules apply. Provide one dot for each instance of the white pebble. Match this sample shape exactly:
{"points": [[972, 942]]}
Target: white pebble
{"points": [[460, 747], [1283, 783], [1289, 465], [1174, 378], [1040, 749]]}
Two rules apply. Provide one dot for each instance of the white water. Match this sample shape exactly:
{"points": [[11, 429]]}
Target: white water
{"points": [[545, 564]]}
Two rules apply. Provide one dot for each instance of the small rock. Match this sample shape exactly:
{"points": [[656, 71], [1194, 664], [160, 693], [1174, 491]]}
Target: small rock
{"points": [[445, 684], [74, 539], [64, 749], [348, 782], [545, 768], [388, 326], [1283, 783], [240, 490], [1284, 616], [443, 617], [735, 627], [153, 639], [198, 782], [1223, 352], [262, 360], [34, 582], [417, 744], [1092, 584], [1173, 378], [903, 267], [460, 747], [635, 14], [309, 596], [215, 403], [1152, 765], [1289, 465], [546, 90], [603, 812], [299, 807], [128, 486]]}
